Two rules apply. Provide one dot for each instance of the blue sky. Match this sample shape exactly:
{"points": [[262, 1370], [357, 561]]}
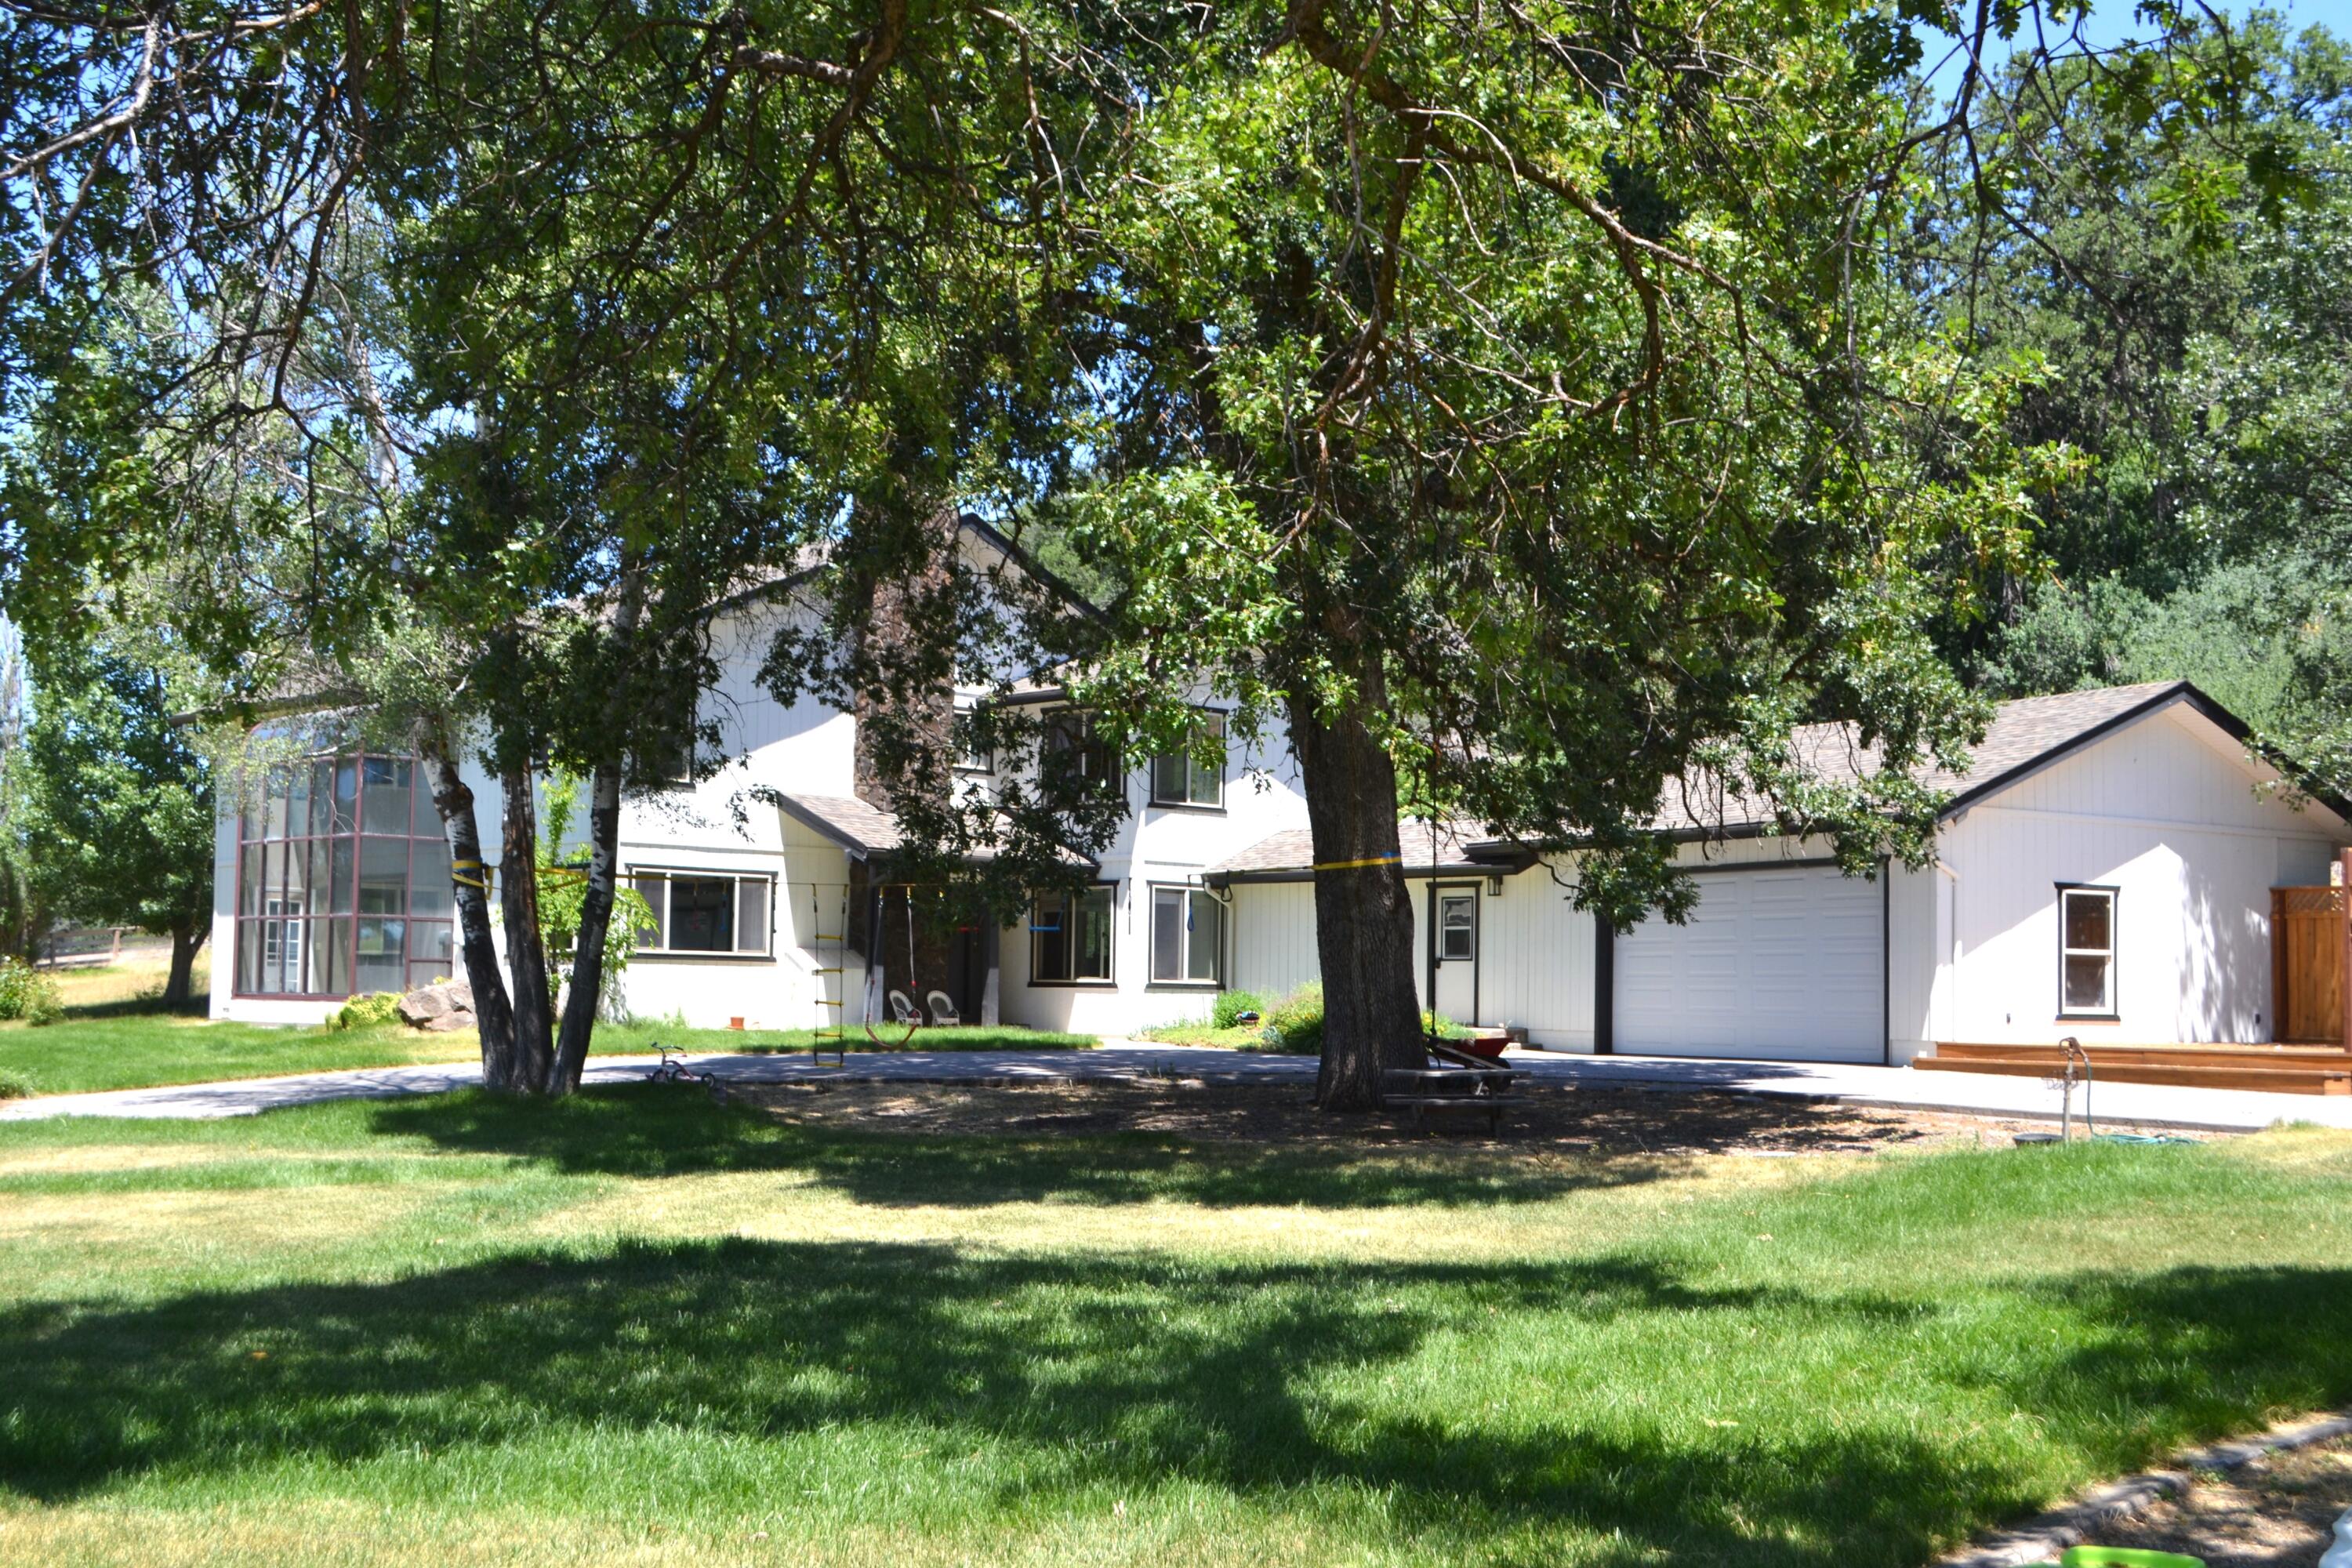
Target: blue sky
{"points": [[2112, 22]]}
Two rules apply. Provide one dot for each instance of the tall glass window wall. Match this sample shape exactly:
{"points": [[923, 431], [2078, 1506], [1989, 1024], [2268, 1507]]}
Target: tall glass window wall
{"points": [[342, 882]]}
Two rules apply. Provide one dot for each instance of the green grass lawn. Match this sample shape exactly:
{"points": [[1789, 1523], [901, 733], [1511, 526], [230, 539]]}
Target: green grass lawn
{"points": [[637, 1328], [114, 1035], [1244, 1038]]}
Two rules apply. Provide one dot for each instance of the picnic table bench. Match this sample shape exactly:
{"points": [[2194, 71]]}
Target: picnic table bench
{"points": [[1458, 1081]]}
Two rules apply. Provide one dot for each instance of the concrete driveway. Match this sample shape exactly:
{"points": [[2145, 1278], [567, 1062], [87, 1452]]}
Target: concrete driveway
{"points": [[2147, 1105]]}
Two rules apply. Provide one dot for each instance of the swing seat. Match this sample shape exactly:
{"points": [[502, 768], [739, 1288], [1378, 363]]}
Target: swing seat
{"points": [[943, 1009]]}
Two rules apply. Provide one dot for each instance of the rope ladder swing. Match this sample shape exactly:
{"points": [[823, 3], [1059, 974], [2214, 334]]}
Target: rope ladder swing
{"points": [[877, 974], [829, 1033]]}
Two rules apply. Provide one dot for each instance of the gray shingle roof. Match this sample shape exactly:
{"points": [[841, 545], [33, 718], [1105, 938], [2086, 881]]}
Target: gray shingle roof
{"points": [[2022, 734], [858, 825], [865, 829], [2032, 730], [1293, 849]]}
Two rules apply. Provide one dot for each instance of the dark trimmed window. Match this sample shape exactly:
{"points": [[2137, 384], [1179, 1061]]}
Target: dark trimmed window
{"points": [[971, 756], [705, 911], [1070, 937], [2087, 953], [342, 882], [1457, 926], [1187, 936], [1180, 779], [1076, 757]]}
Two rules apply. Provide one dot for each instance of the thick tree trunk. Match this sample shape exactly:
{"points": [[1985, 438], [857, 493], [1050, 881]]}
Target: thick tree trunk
{"points": [[1363, 911], [179, 990], [580, 1006], [454, 799], [534, 1035]]}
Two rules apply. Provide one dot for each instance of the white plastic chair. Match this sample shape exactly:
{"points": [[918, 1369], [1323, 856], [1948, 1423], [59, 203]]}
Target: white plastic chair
{"points": [[943, 1009], [901, 1009]]}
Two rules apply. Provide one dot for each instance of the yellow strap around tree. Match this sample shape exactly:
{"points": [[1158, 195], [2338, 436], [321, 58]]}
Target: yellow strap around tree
{"points": [[1359, 864]]}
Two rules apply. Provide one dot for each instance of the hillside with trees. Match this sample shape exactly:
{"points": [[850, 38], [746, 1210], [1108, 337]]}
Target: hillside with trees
{"points": [[2191, 300]]}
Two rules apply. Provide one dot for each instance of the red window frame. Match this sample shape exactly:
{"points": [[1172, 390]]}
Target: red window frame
{"points": [[349, 920]]}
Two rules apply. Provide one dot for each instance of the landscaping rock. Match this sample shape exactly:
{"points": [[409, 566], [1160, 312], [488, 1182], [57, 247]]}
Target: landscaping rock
{"points": [[439, 1008]]}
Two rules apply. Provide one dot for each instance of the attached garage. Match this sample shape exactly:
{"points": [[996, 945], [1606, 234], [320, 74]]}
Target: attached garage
{"points": [[2108, 867], [1780, 962]]}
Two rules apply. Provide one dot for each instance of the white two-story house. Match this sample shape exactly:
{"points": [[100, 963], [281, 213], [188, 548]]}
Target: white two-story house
{"points": [[2107, 871], [768, 880]]}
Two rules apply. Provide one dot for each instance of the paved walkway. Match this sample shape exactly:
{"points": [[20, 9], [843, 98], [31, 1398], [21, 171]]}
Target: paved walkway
{"points": [[2150, 1105]]}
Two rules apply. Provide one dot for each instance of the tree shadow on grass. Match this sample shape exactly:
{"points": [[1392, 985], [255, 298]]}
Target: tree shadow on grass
{"points": [[147, 1007], [650, 1132], [1081, 1373], [2164, 1361]]}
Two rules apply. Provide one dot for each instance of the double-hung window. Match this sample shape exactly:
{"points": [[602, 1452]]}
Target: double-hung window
{"points": [[1457, 926], [2087, 953], [972, 756], [706, 911], [1181, 779], [1069, 937], [1077, 758], [1187, 936]]}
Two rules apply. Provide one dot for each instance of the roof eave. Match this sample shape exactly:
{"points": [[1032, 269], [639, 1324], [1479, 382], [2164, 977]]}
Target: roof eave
{"points": [[816, 822]]}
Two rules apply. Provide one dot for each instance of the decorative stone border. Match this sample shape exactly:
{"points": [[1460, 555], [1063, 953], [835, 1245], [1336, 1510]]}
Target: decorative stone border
{"points": [[2043, 1538]]}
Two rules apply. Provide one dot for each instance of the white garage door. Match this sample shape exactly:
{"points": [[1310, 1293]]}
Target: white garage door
{"points": [[1780, 963]]}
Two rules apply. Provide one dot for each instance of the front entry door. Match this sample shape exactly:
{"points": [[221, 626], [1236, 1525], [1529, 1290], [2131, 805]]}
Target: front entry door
{"points": [[1455, 963]]}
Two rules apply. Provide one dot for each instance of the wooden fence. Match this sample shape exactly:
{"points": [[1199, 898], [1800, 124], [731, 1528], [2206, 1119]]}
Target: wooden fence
{"points": [[2309, 935]]}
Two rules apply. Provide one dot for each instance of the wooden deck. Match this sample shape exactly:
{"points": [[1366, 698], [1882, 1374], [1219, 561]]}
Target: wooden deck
{"points": [[2277, 1070]]}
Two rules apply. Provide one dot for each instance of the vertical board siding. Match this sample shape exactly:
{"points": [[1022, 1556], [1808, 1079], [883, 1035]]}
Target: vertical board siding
{"points": [[2165, 811], [1273, 937], [2173, 767], [1918, 928], [2192, 939], [1535, 969], [1535, 957]]}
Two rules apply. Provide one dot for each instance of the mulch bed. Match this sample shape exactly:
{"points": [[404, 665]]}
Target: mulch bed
{"points": [[1602, 1120], [2270, 1512]]}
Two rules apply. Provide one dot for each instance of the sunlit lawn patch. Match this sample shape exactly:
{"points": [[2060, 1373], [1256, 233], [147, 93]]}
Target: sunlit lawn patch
{"points": [[137, 1049]]}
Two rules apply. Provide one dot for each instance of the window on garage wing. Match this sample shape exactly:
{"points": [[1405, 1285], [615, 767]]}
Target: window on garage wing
{"points": [[1187, 936], [2087, 953], [705, 911], [1069, 936], [1179, 779], [1457, 926]]}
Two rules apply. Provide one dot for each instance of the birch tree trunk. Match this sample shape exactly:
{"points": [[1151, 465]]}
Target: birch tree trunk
{"points": [[1363, 911], [582, 1003], [534, 1039], [587, 990], [454, 799]]}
